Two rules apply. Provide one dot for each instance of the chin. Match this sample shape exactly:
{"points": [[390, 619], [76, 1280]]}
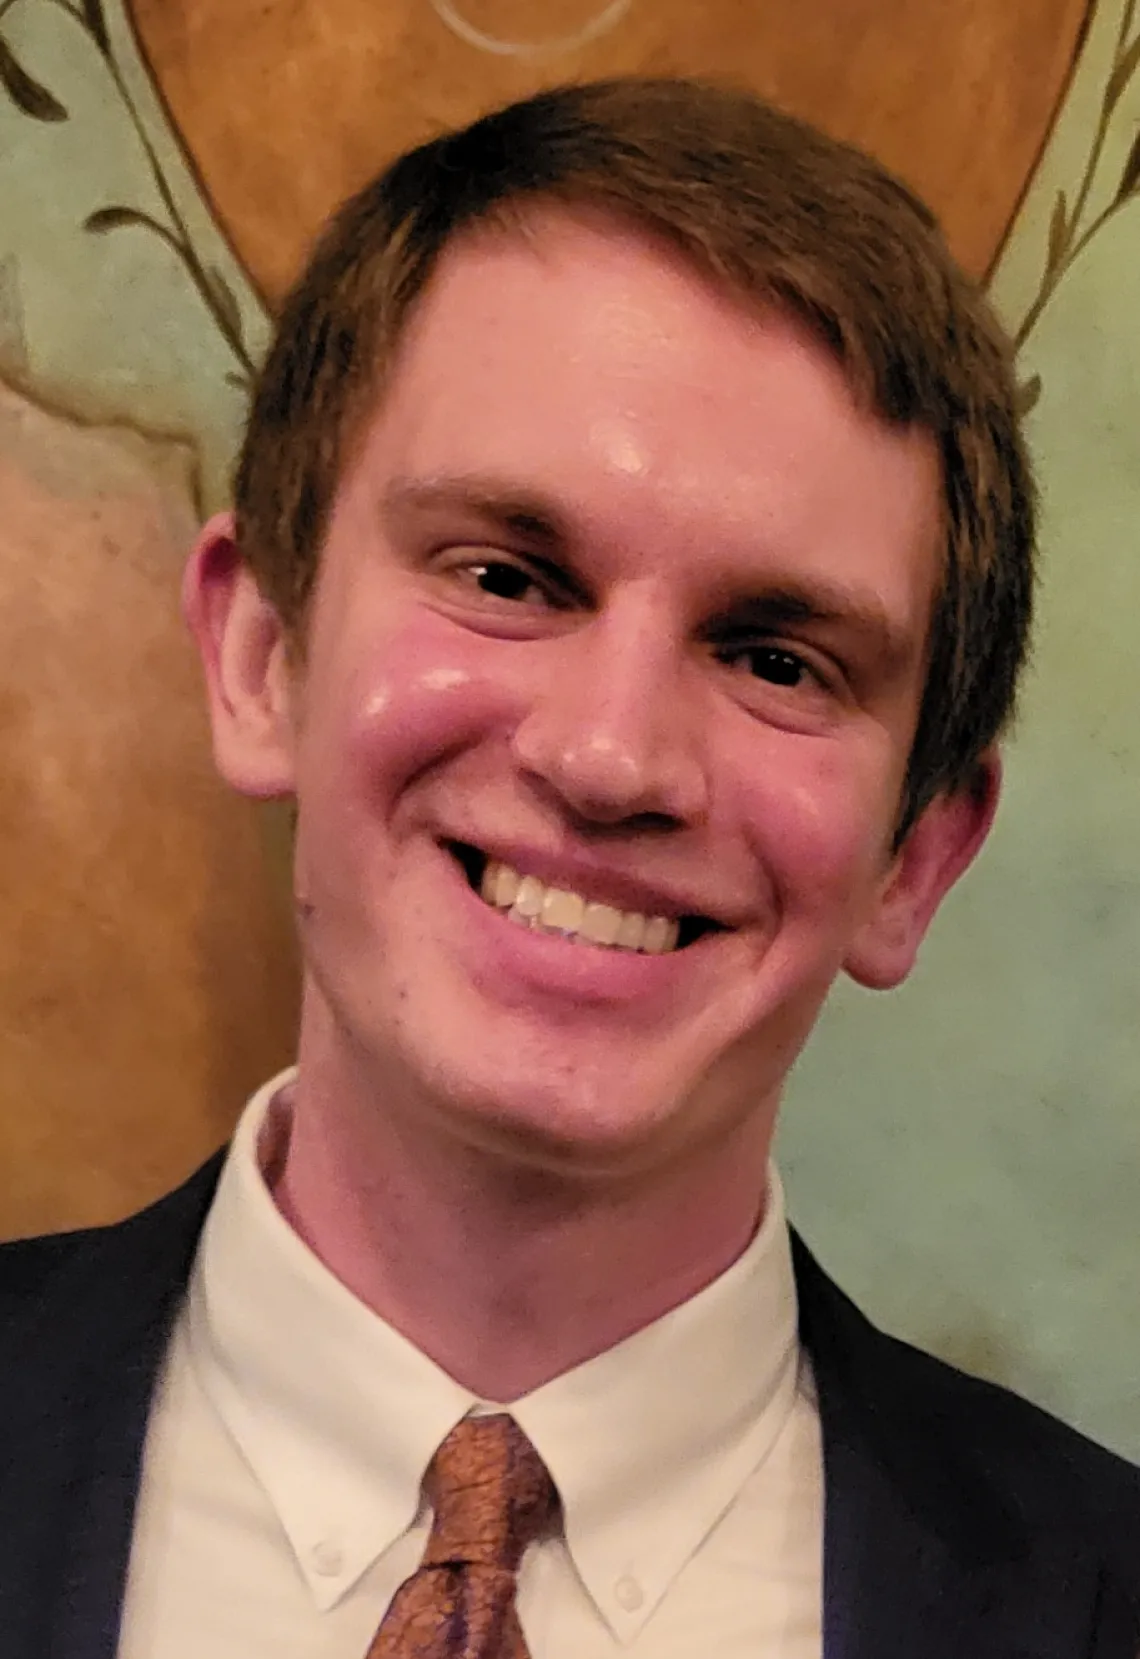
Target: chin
{"points": [[565, 1115]]}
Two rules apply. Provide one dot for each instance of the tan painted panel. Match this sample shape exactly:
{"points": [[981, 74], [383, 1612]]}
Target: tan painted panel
{"points": [[146, 975], [287, 105]]}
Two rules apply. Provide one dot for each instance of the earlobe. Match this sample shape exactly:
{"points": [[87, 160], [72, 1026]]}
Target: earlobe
{"points": [[243, 648], [939, 849]]}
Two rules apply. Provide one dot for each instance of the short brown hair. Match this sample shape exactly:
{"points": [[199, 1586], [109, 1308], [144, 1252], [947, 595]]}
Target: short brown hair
{"points": [[778, 212]]}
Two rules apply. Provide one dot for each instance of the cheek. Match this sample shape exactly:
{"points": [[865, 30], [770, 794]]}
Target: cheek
{"points": [[817, 814], [399, 703]]}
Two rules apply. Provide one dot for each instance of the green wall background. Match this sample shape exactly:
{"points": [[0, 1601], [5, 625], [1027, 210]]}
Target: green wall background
{"points": [[965, 1154]]}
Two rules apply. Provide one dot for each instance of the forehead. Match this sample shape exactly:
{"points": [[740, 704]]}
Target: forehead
{"points": [[588, 363]]}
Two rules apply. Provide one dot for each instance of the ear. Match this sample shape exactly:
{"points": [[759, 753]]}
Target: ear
{"points": [[939, 848], [243, 647]]}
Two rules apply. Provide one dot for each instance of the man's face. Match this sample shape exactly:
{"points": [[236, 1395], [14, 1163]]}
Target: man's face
{"points": [[613, 669]]}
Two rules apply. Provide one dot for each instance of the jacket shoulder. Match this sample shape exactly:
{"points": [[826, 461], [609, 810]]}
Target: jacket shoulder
{"points": [[965, 1439], [1037, 1452], [28, 1264], [37, 1273]]}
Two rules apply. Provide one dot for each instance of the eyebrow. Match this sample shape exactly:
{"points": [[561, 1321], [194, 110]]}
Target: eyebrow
{"points": [[785, 600], [496, 503], [798, 603]]}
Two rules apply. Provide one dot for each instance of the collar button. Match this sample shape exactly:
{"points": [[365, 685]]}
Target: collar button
{"points": [[629, 1594], [327, 1559]]}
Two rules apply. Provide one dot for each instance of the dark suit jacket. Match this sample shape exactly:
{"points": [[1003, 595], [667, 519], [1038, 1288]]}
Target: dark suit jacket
{"points": [[960, 1523]]}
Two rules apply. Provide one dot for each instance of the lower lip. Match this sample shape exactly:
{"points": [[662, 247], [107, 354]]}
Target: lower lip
{"points": [[534, 961]]}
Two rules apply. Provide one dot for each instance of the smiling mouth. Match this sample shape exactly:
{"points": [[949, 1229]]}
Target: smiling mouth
{"points": [[531, 903]]}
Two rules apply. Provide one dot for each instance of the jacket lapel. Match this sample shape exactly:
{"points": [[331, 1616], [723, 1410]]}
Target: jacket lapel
{"points": [[922, 1552], [894, 1586], [922, 1555], [78, 1373]]}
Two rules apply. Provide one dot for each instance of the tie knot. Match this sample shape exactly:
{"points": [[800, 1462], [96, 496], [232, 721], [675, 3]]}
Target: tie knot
{"points": [[491, 1493]]}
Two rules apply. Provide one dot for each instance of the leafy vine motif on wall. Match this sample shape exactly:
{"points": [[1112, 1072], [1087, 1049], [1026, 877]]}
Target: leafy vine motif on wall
{"points": [[1070, 230], [1069, 233], [35, 100]]}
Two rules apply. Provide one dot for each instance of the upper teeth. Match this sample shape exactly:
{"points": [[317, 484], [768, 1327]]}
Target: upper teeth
{"points": [[557, 910]]}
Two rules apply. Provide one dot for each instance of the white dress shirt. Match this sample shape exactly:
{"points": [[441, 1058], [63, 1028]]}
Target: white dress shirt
{"points": [[281, 1505]]}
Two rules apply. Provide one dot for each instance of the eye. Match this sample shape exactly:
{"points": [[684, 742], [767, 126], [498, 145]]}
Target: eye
{"points": [[507, 580], [503, 581], [771, 663]]}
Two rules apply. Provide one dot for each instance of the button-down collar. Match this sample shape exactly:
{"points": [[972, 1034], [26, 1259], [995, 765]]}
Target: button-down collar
{"points": [[338, 1415]]}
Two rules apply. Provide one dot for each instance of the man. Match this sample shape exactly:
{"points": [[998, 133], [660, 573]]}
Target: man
{"points": [[629, 581]]}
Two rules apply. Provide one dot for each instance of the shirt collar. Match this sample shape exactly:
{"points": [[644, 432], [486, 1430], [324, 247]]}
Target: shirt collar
{"points": [[338, 1415]]}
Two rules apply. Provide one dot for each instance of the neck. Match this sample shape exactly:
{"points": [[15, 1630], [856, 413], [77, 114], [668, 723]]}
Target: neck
{"points": [[506, 1275]]}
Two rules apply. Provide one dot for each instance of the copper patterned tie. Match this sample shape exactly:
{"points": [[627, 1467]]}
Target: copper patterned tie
{"points": [[491, 1496]]}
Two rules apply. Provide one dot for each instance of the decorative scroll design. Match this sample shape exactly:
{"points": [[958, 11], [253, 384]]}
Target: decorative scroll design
{"points": [[1071, 227], [1071, 230], [606, 19], [38, 102]]}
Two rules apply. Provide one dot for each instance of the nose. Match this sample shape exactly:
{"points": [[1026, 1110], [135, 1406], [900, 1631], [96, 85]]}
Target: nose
{"points": [[612, 726]]}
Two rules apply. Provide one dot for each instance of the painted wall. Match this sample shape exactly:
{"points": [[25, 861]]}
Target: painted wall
{"points": [[975, 1177], [965, 1154], [146, 963]]}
